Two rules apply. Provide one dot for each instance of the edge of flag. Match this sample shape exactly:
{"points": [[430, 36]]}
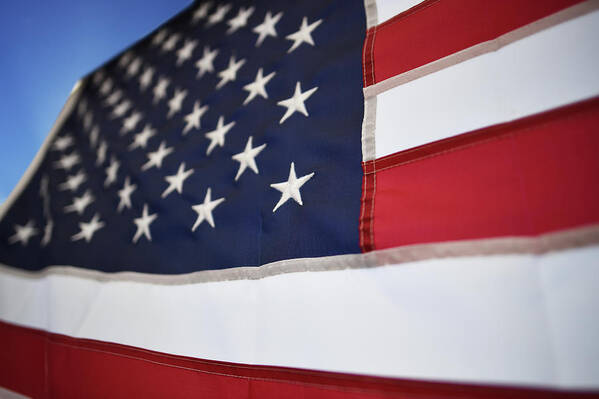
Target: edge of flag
{"points": [[577, 237], [39, 156]]}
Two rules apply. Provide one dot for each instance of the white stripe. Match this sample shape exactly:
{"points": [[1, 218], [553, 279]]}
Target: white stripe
{"points": [[8, 394], [520, 319], [551, 68], [389, 8]]}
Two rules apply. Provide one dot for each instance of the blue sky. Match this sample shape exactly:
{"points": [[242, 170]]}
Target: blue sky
{"points": [[46, 46]]}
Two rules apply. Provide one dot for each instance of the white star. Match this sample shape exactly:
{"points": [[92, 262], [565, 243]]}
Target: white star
{"points": [[98, 76], [240, 20], [155, 158], [112, 171], [88, 119], [175, 103], [121, 109], [125, 195], [93, 136], [159, 37], [47, 233], [140, 140], [143, 224], [146, 78], [101, 153], [185, 52], [63, 142], [73, 182], [296, 102], [66, 162], [206, 63], [81, 107], [229, 74], [106, 86], [201, 12], [130, 122], [218, 15], [217, 136], [247, 158], [44, 186], [88, 229], [303, 35], [291, 187], [205, 209], [160, 89], [192, 120], [125, 59], [23, 233], [257, 86], [114, 98], [133, 68], [171, 42], [267, 28], [175, 182], [80, 203]]}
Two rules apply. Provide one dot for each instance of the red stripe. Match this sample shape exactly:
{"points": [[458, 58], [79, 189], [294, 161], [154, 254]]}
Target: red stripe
{"points": [[367, 207], [367, 57], [522, 178], [437, 28], [41, 364]]}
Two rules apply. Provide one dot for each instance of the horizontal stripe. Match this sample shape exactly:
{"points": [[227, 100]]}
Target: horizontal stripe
{"points": [[476, 50], [518, 319], [521, 178], [538, 244], [436, 29], [366, 226], [535, 74], [85, 368]]}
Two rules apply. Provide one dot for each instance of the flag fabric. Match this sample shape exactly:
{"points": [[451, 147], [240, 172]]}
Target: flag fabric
{"points": [[353, 199]]}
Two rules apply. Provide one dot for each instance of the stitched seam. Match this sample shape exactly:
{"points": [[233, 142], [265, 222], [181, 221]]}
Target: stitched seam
{"points": [[372, 54], [408, 13], [372, 247], [363, 207], [45, 336], [143, 359], [367, 206], [445, 152], [366, 219], [300, 383], [502, 136], [456, 138], [365, 186], [364, 58]]}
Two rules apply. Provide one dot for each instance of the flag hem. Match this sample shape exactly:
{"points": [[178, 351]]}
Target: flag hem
{"points": [[372, 15], [544, 243]]}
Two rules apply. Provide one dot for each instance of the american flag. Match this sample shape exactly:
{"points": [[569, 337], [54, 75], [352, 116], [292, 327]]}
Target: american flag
{"points": [[190, 151], [435, 162]]}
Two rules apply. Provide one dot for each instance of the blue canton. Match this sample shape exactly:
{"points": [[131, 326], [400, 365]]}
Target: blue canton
{"points": [[230, 136]]}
